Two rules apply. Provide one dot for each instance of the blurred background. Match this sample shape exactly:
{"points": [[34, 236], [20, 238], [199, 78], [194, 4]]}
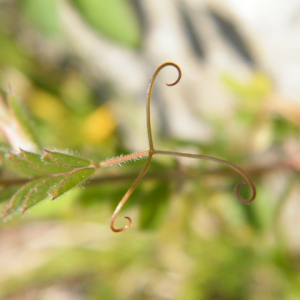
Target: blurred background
{"points": [[81, 69]]}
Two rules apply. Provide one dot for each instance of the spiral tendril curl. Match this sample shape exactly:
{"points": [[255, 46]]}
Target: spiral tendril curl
{"points": [[152, 152]]}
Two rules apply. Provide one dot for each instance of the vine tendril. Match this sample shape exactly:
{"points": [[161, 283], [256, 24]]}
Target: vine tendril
{"points": [[127, 195], [149, 94], [222, 161], [152, 151]]}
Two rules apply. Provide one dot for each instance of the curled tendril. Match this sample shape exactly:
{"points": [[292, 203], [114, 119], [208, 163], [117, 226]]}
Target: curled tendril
{"points": [[149, 94], [127, 195], [152, 151], [225, 162], [251, 198]]}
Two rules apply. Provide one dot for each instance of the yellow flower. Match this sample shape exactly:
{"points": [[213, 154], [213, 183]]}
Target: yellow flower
{"points": [[99, 125]]}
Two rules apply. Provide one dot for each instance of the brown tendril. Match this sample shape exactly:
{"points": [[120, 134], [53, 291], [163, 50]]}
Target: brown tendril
{"points": [[151, 151], [149, 94], [126, 196], [225, 162]]}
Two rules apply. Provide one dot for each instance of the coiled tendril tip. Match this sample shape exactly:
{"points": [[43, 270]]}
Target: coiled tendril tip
{"points": [[120, 229], [252, 197]]}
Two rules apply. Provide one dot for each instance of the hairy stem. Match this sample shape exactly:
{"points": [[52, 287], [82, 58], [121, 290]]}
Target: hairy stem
{"points": [[123, 158]]}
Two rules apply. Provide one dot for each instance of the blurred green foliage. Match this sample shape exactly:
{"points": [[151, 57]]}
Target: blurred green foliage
{"points": [[44, 15], [114, 18]]}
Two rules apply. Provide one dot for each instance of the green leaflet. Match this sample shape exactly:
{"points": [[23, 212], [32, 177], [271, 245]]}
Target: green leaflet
{"points": [[45, 165], [19, 197], [41, 191], [65, 160], [34, 165], [73, 179], [20, 165]]}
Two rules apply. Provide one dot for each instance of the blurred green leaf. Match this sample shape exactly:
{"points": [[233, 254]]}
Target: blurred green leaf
{"points": [[114, 18], [283, 129], [258, 87], [154, 206], [44, 15], [12, 54]]}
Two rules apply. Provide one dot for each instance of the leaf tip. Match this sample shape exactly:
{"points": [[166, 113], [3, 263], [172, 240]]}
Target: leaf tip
{"points": [[23, 209], [52, 195], [45, 155], [4, 214]]}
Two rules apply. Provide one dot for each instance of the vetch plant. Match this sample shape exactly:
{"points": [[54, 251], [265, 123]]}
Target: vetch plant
{"points": [[55, 173]]}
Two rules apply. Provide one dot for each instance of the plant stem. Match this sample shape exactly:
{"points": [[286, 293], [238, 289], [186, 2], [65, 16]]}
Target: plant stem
{"points": [[125, 158]]}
